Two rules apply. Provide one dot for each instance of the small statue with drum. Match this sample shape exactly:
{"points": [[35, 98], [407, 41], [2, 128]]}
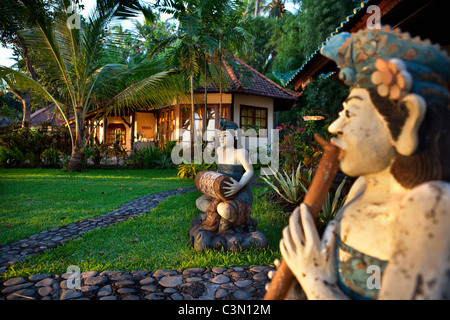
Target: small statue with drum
{"points": [[226, 203]]}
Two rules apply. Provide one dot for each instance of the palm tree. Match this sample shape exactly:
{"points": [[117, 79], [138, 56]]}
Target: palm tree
{"points": [[73, 63]]}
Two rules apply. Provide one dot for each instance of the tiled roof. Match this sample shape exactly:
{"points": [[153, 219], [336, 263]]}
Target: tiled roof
{"points": [[48, 115], [244, 79]]}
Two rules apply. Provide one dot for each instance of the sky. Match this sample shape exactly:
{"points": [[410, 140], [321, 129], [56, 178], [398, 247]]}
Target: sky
{"points": [[6, 54]]}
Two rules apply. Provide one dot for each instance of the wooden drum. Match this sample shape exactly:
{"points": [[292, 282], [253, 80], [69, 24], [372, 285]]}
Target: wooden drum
{"points": [[212, 183]]}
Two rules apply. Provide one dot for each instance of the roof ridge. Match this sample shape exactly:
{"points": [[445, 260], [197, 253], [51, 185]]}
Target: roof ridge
{"points": [[232, 75], [292, 93], [37, 112]]}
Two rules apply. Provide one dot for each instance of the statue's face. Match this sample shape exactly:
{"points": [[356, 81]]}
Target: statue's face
{"points": [[226, 139], [363, 135]]}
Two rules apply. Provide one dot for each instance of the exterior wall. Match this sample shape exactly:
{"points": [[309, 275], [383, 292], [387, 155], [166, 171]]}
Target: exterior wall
{"points": [[145, 125], [254, 101]]}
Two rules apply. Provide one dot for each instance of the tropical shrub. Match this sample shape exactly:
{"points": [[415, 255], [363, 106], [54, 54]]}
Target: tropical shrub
{"points": [[292, 188], [334, 201], [190, 170], [25, 147]]}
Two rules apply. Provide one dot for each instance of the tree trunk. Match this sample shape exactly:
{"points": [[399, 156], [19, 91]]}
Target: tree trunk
{"points": [[77, 156], [205, 119], [192, 114], [256, 8], [26, 97]]}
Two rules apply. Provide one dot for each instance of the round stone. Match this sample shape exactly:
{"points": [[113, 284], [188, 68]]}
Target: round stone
{"points": [[220, 279], [162, 272], [70, 294], [155, 296], [24, 294], [105, 291], [221, 293], [241, 295], [95, 281], [88, 274], [126, 290], [45, 291], [38, 277], [171, 281], [45, 282], [243, 283], [147, 280], [13, 281], [151, 288], [109, 298], [176, 296], [194, 270], [131, 297]]}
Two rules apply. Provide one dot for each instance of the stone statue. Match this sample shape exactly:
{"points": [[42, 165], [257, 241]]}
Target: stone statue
{"points": [[391, 239], [227, 200]]}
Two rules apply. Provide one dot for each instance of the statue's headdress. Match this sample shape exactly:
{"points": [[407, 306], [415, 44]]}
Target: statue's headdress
{"points": [[391, 61]]}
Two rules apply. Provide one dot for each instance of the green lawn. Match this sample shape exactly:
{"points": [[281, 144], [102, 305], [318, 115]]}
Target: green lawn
{"points": [[34, 200], [161, 239]]}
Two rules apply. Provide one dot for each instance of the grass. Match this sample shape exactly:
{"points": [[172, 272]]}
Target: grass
{"points": [[34, 200], [157, 240]]}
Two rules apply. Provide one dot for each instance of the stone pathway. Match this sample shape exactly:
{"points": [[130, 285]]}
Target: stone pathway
{"points": [[236, 283], [35, 244]]}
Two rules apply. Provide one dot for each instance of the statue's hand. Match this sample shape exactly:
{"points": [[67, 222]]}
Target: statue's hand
{"points": [[310, 259], [232, 188]]}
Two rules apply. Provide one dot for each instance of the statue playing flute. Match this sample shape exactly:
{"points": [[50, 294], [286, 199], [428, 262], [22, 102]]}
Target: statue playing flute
{"points": [[390, 240]]}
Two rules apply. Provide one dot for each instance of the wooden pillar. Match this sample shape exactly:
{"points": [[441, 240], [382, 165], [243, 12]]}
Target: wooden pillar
{"points": [[133, 116], [105, 126]]}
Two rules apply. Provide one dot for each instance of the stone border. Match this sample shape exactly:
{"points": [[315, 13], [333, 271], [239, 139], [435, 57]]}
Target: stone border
{"points": [[236, 283], [37, 243]]}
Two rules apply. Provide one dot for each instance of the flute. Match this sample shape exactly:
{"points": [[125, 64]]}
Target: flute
{"points": [[314, 198]]}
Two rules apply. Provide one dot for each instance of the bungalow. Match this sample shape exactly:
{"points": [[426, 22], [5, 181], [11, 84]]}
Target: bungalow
{"points": [[47, 116], [248, 98]]}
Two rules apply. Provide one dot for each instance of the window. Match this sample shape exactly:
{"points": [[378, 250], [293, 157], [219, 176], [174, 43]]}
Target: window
{"points": [[253, 118], [211, 121], [166, 125]]}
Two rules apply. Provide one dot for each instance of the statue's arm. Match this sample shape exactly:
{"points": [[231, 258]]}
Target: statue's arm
{"points": [[243, 159], [420, 263]]}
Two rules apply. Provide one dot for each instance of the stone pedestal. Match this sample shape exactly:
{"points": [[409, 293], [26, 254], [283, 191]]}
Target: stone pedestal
{"points": [[226, 238]]}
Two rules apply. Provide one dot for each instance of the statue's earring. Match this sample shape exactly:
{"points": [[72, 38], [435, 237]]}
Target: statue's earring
{"points": [[408, 140]]}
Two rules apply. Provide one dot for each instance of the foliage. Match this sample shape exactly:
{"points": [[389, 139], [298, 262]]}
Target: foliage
{"points": [[95, 151], [73, 63], [298, 146], [334, 201], [190, 170], [152, 157], [27, 147], [291, 188]]}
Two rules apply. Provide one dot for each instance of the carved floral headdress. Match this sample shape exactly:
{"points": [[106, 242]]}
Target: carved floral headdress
{"points": [[391, 61]]}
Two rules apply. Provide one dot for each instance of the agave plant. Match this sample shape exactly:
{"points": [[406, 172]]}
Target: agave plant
{"points": [[333, 203], [77, 80], [291, 188]]}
